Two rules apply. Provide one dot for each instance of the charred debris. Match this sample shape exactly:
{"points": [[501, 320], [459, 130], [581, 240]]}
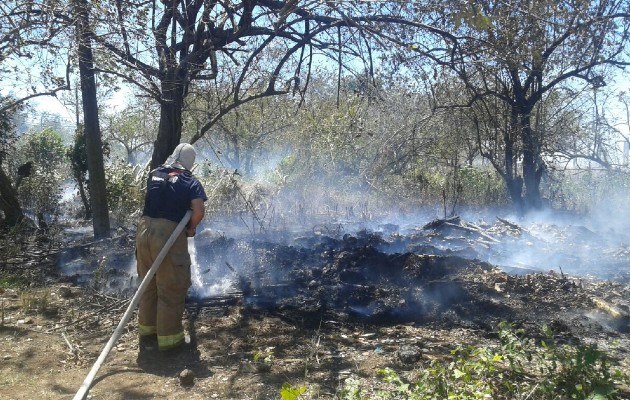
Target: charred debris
{"points": [[447, 273]]}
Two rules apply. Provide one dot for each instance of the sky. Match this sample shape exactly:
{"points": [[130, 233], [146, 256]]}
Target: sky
{"points": [[53, 105]]}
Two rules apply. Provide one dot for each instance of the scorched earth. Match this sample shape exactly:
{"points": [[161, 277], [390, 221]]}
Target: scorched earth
{"points": [[319, 312]]}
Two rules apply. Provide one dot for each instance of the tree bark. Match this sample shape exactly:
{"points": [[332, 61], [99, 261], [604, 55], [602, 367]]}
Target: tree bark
{"points": [[513, 182], [531, 155], [84, 197], [93, 142], [8, 201], [170, 128]]}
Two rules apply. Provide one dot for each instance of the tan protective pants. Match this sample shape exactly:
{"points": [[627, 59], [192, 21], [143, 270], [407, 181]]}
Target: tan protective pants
{"points": [[162, 304]]}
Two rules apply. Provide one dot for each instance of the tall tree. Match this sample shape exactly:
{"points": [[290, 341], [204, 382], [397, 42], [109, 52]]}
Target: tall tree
{"points": [[34, 56], [258, 47], [510, 55], [9, 203], [92, 131], [28, 71]]}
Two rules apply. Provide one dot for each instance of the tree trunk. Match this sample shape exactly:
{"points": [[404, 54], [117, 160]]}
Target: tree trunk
{"points": [[531, 172], [170, 129], [513, 182], [8, 201], [131, 157], [93, 143], [84, 198]]}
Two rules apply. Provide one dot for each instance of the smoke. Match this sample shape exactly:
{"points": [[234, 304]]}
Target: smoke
{"points": [[210, 281], [576, 245]]}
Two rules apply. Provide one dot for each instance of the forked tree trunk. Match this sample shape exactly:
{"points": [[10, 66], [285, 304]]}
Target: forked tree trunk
{"points": [[170, 128]]}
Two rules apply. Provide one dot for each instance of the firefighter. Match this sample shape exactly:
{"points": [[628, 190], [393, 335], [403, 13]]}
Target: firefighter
{"points": [[172, 190]]}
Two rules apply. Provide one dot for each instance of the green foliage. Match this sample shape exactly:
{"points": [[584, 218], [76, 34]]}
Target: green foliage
{"points": [[468, 186], [131, 129], [466, 377], [264, 355], [564, 371], [288, 392], [351, 390], [9, 280], [44, 146], [522, 368], [125, 195], [481, 186], [77, 157], [589, 189], [77, 154], [41, 191], [473, 17]]}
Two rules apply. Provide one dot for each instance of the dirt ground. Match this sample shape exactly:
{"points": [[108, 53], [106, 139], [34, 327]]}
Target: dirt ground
{"points": [[44, 360], [53, 332], [47, 355]]}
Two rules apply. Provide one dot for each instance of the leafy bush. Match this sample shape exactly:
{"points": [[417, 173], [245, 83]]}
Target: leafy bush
{"points": [[125, 190], [588, 190], [481, 186], [41, 191], [224, 191], [521, 368], [288, 392]]}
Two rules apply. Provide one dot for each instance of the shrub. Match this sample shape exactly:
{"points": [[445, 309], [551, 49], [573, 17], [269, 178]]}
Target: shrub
{"points": [[41, 191], [520, 368], [125, 190]]}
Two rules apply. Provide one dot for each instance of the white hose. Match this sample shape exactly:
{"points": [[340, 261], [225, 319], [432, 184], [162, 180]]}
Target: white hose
{"points": [[85, 387]]}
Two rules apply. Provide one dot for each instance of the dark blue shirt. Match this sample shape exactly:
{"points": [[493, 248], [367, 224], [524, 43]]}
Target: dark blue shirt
{"points": [[170, 192]]}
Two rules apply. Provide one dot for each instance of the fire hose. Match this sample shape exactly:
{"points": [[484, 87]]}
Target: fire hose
{"points": [[85, 387]]}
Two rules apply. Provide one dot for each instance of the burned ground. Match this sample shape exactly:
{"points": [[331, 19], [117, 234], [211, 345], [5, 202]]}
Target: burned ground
{"points": [[314, 308]]}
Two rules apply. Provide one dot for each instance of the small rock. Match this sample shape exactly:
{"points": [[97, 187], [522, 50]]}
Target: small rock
{"points": [[186, 377], [499, 287], [27, 320], [502, 277], [263, 366], [409, 354], [64, 292]]}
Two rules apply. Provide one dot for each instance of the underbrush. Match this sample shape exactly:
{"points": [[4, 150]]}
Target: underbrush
{"points": [[12, 280], [519, 368]]}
